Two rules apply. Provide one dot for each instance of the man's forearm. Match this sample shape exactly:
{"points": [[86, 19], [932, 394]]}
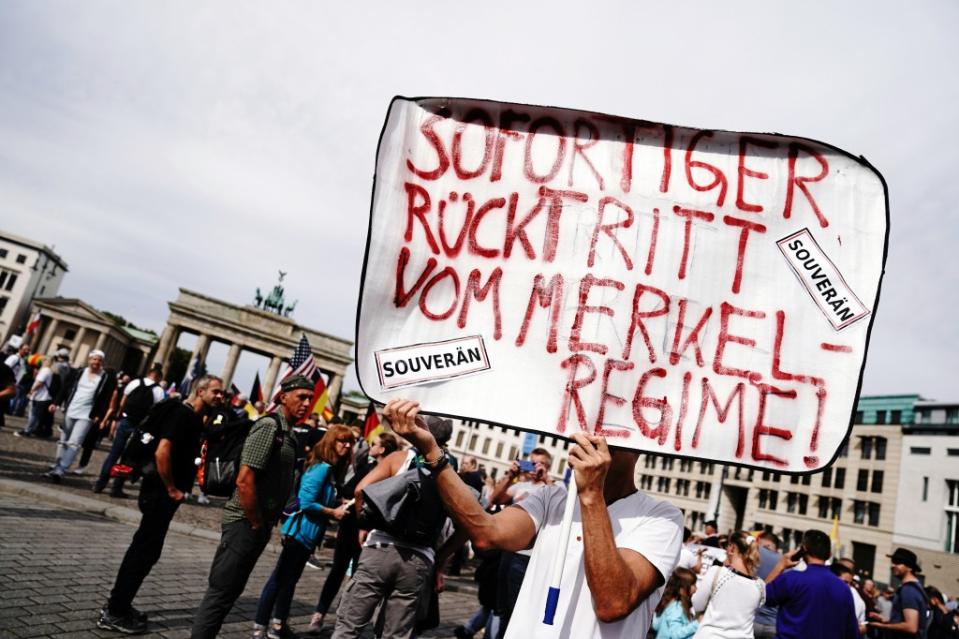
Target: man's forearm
{"points": [[613, 584], [499, 496], [246, 495]]}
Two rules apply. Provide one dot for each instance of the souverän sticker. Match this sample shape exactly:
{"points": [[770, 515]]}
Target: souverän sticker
{"points": [[431, 362], [822, 280]]}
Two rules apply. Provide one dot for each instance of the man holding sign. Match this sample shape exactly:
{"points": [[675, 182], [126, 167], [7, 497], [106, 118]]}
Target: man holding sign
{"points": [[625, 542]]}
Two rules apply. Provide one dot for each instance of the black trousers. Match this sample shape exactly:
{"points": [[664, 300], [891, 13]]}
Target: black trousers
{"points": [[144, 550], [347, 549], [236, 556]]}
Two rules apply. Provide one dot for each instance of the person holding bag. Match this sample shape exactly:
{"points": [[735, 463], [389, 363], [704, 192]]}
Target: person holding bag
{"points": [[325, 467], [734, 592]]}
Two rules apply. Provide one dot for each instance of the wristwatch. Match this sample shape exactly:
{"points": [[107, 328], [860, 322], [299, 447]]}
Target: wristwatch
{"points": [[438, 465]]}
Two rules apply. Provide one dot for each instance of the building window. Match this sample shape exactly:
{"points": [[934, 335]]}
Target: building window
{"points": [[952, 415], [472, 444], [866, 448], [803, 504], [459, 438], [862, 480], [773, 499], [663, 463], [823, 505], [925, 489], [952, 517], [859, 512], [881, 447], [3, 252], [840, 478], [859, 416], [791, 502], [21, 259], [877, 477], [920, 450], [844, 449], [952, 452], [763, 497], [896, 417], [709, 487], [794, 479], [881, 416], [486, 443], [806, 480], [499, 450], [873, 514], [836, 507], [827, 478], [513, 452], [7, 280]]}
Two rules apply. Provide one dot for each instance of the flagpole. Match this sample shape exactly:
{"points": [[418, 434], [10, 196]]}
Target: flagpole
{"points": [[559, 561]]}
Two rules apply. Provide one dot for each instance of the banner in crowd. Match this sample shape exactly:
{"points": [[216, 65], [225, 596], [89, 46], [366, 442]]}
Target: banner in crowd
{"points": [[690, 292]]}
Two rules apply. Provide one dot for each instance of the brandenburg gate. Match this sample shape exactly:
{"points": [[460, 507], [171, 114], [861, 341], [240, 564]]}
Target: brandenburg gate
{"points": [[249, 328]]}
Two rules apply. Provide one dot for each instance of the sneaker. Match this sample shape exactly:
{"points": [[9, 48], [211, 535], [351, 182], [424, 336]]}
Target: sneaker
{"points": [[203, 500], [280, 631], [21, 433], [54, 476], [259, 632], [127, 624], [460, 632], [80, 470], [136, 614], [313, 562], [99, 488]]}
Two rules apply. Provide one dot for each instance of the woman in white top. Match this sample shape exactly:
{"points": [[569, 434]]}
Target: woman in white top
{"points": [[730, 594]]}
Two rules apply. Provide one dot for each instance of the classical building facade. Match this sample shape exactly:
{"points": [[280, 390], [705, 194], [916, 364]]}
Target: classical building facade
{"points": [[78, 327], [28, 270], [927, 514], [247, 328]]}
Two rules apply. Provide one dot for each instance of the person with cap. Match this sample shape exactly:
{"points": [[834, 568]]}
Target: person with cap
{"points": [[910, 606], [391, 570], [263, 485], [17, 362], [85, 399]]}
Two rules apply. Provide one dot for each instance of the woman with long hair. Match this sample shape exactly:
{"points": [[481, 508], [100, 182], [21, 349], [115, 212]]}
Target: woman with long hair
{"points": [[675, 617], [731, 593], [325, 468]]}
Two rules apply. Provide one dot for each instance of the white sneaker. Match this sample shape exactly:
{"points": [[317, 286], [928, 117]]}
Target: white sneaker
{"points": [[203, 500], [80, 470]]}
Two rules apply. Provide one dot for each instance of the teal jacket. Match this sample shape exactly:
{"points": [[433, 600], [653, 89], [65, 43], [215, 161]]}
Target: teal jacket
{"points": [[673, 623], [316, 491]]}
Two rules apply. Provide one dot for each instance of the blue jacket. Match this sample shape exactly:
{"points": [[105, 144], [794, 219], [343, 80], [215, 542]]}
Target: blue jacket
{"points": [[316, 491], [673, 623]]}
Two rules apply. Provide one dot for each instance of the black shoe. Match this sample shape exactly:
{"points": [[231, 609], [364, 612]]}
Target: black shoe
{"points": [[118, 494], [56, 478], [136, 614], [460, 633], [127, 624], [99, 488], [313, 562]]}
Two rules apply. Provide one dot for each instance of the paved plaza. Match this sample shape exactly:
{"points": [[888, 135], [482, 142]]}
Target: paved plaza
{"points": [[59, 554]]}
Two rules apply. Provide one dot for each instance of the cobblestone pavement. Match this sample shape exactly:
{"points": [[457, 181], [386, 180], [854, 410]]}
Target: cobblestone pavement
{"points": [[57, 565]]}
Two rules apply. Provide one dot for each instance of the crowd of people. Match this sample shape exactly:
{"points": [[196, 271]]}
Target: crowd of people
{"points": [[633, 570]]}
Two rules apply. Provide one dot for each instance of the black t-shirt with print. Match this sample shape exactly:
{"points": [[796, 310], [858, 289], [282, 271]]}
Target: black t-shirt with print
{"points": [[184, 428]]}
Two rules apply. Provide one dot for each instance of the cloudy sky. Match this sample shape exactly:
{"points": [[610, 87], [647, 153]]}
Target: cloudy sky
{"points": [[206, 145]]}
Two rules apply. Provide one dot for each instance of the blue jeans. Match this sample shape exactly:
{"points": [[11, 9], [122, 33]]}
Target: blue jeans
{"points": [[72, 433], [124, 430], [277, 595], [41, 421]]}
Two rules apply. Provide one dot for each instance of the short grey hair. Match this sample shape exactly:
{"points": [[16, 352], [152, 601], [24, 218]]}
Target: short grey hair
{"points": [[202, 382]]}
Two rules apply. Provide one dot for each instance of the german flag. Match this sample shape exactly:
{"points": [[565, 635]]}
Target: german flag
{"points": [[256, 393], [372, 425]]}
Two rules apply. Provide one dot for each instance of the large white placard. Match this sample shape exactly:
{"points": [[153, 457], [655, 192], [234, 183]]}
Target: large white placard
{"points": [[689, 292]]}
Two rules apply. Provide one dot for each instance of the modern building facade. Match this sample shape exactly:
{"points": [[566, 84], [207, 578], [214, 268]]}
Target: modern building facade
{"points": [[28, 270]]}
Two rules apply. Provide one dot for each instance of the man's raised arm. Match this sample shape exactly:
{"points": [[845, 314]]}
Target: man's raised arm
{"points": [[511, 529]]}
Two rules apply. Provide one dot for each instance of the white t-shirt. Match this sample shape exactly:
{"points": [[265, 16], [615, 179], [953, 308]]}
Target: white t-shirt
{"points": [[15, 362], [82, 402], [731, 606], [859, 605], [641, 523], [44, 378], [687, 558]]}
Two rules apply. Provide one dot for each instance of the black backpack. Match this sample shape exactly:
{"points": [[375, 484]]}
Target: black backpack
{"points": [[139, 455], [221, 452], [138, 403]]}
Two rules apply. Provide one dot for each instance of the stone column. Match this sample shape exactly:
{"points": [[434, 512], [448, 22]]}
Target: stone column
{"points": [[77, 347], [48, 335], [101, 340], [336, 382], [270, 381], [202, 347], [165, 347], [232, 357], [145, 362]]}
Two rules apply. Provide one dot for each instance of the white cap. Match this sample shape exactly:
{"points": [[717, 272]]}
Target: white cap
{"points": [[97, 353]]}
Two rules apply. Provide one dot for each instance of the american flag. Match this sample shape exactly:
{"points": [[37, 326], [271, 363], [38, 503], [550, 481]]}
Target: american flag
{"points": [[302, 363]]}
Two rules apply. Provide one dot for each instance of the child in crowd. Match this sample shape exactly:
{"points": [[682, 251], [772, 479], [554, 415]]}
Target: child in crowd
{"points": [[675, 617]]}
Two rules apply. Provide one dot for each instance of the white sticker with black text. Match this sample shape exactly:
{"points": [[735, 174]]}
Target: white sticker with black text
{"points": [[431, 362]]}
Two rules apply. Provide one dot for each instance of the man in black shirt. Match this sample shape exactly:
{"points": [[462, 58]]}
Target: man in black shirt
{"points": [[160, 495]]}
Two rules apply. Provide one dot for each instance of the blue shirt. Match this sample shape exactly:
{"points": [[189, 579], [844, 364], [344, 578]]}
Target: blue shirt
{"points": [[812, 603], [766, 614], [909, 596]]}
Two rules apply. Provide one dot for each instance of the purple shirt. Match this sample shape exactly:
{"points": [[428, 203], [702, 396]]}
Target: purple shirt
{"points": [[812, 603]]}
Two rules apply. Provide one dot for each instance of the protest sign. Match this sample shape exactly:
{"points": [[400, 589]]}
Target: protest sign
{"points": [[688, 292]]}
